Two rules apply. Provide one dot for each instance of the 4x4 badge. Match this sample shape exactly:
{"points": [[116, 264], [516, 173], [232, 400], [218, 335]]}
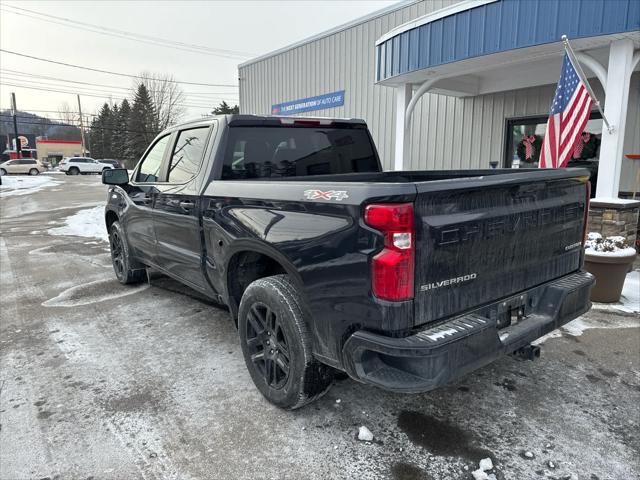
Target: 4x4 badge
{"points": [[328, 195]]}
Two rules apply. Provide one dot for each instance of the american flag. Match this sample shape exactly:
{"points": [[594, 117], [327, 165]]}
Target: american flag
{"points": [[569, 115]]}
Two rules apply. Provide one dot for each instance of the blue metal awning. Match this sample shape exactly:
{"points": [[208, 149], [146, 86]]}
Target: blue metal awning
{"points": [[478, 28]]}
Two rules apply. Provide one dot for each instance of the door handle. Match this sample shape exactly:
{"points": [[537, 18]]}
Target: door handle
{"points": [[187, 205]]}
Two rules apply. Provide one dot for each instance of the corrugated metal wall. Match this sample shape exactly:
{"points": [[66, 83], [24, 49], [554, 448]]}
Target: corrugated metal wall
{"points": [[447, 132]]}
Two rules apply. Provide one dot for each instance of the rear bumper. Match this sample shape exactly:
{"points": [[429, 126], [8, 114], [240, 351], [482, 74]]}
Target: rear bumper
{"points": [[437, 355]]}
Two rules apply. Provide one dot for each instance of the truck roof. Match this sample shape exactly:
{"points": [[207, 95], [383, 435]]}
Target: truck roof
{"points": [[266, 120]]}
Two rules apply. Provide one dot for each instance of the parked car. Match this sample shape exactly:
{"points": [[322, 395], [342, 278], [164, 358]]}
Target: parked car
{"points": [[114, 163], [29, 166], [82, 165], [404, 280]]}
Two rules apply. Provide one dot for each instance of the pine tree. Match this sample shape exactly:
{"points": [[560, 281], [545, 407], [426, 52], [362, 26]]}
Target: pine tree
{"points": [[100, 133], [104, 117], [113, 122], [120, 135], [142, 124], [95, 138], [225, 108]]}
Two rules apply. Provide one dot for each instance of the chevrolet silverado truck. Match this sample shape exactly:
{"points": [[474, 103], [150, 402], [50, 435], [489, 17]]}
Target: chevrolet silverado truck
{"points": [[405, 280]]}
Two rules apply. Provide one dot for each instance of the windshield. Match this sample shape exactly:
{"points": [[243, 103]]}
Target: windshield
{"points": [[268, 152]]}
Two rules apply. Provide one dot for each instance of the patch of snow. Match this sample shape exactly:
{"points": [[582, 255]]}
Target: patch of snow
{"points": [[486, 464], [578, 326], [365, 434], [479, 475], [620, 252], [93, 292], [614, 246], [85, 223], [24, 184]]}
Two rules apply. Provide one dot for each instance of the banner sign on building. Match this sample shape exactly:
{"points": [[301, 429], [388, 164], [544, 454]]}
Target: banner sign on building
{"points": [[328, 100]]}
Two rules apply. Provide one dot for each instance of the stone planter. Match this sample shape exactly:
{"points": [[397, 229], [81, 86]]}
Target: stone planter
{"points": [[610, 272]]}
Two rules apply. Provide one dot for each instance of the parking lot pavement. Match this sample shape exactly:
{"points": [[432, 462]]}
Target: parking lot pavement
{"points": [[103, 381]]}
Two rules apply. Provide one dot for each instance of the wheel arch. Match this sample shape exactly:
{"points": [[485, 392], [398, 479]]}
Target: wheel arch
{"points": [[250, 262], [109, 217]]}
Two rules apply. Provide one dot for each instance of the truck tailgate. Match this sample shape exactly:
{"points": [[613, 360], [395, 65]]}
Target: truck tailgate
{"points": [[491, 237]]}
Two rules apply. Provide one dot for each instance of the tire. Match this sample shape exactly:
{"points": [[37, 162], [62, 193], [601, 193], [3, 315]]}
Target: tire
{"points": [[74, 171], [276, 344], [34, 171], [120, 258], [3, 171]]}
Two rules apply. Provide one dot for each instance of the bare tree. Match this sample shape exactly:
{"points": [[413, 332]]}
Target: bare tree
{"points": [[66, 114], [167, 96]]}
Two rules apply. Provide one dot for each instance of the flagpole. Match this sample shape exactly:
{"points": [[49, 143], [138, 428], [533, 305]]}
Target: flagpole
{"points": [[583, 77]]}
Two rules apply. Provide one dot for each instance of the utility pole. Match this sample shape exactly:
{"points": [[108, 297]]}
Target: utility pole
{"points": [[14, 112], [81, 126]]}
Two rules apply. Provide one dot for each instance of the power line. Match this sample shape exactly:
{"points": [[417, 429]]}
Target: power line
{"points": [[158, 41], [46, 111], [58, 79], [91, 69], [104, 96], [89, 90]]}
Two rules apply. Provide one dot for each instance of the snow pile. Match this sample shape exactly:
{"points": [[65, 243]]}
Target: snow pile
{"points": [[610, 246], [85, 223], [25, 184], [365, 434], [481, 473]]}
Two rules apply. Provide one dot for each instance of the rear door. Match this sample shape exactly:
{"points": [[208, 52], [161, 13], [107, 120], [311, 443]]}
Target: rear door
{"points": [[177, 208], [93, 166], [147, 178], [483, 239], [23, 166]]}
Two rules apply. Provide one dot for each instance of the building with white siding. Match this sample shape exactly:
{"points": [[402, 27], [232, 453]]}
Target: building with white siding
{"points": [[445, 84]]}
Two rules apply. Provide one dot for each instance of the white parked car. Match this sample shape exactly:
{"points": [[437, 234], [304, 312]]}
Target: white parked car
{"points": [[78, 165]]}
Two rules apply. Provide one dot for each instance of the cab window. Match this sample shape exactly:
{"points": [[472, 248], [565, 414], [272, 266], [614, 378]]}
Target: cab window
{"points": [[188, 154], [149, 171]]}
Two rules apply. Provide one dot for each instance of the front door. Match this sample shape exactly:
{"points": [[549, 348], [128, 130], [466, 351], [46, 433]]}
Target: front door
{"points": [[177, 209], [148, 176]]}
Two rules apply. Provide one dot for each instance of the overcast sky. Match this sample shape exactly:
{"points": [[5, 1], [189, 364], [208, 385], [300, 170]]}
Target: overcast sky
{"points": [[250, 27]]}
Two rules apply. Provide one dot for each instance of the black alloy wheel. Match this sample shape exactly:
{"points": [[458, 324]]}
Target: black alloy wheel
{"points": [[127, 269], [267, 345], [117, 253], [277, 345]]}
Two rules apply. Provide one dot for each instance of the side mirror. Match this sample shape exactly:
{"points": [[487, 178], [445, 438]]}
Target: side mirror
{"points": [[115, 176]]}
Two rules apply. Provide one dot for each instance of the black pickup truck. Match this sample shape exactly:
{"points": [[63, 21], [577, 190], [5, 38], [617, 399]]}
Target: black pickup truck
{"points": [[404, 280]]}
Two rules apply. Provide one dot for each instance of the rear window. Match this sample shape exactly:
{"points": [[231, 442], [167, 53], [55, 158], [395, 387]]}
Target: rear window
{"points": [[272, 152]]}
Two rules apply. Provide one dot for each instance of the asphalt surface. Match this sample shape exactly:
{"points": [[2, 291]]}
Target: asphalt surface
{"points": [[103, 381]]}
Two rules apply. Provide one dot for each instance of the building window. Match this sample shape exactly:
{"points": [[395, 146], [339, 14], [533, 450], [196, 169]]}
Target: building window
{"points": [[524, 136]]}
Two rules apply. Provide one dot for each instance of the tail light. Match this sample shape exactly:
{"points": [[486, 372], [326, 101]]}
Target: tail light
{"points": [[585, 225], [392, 268]]}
